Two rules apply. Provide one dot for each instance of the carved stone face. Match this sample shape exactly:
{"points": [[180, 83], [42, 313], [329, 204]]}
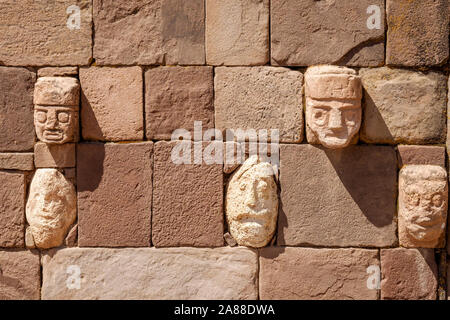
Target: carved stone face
{"points": [[333, 105], [55, 124], [423, 197], [252, 203]]}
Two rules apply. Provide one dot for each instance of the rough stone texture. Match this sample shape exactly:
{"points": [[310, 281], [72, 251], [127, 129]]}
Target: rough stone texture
{"points": [[408, 274], [112, 103], [57, 91], [16, 108], [72, 237], [422, 206], [187, 200], [316, 274], [114, 194], [176, 97], [403, 106], [36, 33], [309, 32], [344, 197], [29, 239], [237, 32], [252, 203], [12, 209], [170, 32], [16, 161], [58, 72], [51, 208], [20, 275], [431, 155], [260, 98], [150, 273], [54, 155], [417, 32]]}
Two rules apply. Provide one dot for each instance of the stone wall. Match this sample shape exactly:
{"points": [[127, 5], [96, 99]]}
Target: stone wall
{"points": [[93, 206]]}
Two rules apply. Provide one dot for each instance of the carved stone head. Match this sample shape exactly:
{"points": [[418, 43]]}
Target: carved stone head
{"points": [[252, 203], [56, 109], [333, 105], [423, 201]]}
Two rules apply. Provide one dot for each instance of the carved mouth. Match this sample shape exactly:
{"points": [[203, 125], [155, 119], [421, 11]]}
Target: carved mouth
{"points": [[53, 135]]}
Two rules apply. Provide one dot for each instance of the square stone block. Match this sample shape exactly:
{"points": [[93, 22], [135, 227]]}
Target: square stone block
{"points": [[114, 194], [340, 198], [54, 155]]}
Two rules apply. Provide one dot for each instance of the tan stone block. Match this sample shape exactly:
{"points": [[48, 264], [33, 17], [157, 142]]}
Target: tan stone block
{"points": [[260, 98], [148, 32], [408, 274], [39, 33], [58, 72], [16, 161], [150, 273], [57, 91], [112, 103], [237, 32], [403, 106], [54, 155], [429, 155], [316, 274]]}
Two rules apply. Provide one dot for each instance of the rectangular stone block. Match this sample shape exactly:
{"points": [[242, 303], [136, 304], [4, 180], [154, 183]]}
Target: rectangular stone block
{"points": [[20, 277], [417, 32], [148, 32], [112, 103], [310, 32], [408, 274], [12, 209], [403, 106], [260, 98], [432, 155], [344, 197], [16, 161], [316, 274], [16, 108], [176, 97], [150, 273], [114, 194], [54, 155], [237, 32], [42, 32], [187, 198], [58, 72]]}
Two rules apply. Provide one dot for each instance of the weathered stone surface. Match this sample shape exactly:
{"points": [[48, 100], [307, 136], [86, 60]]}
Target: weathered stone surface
{"points": [[309, 32], [56, 124], [317, 274], [252, 203], [57, 72], [170, 32], [12, 209], [176, 97], [114, 194], [72, 237], [344, 197], [37, 33], [237, 32], [260, 98], [16, 109], [29, 239], [403, 106], [408, 274], [16, 161], [431, 155], [187, 200], [333, 105], [20, 275], [112, 103], [54, 155], [423, 203], [57, 91], [417, 32], [150, 273], [51, 207]]}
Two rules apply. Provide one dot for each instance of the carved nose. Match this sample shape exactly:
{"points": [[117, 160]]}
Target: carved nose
{"points": [[250, 199], [335, 121], [52, 120]]}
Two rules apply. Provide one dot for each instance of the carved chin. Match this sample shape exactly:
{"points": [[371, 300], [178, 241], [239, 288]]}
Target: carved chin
{"points": [[252, 234], [426, 234], [334, 142]]}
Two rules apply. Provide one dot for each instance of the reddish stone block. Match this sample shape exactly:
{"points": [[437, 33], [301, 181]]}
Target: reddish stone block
{"points": [[432, 155], [114, 194], [17, 161], [54, 155], [187, 201]]}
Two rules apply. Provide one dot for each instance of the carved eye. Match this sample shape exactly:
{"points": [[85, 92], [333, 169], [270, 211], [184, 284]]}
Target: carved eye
{"points": [[242, 186], [350, 117], [436, 200], [63, 117], [41, 116], [263, 186], [319, 116], [413, 199]]}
